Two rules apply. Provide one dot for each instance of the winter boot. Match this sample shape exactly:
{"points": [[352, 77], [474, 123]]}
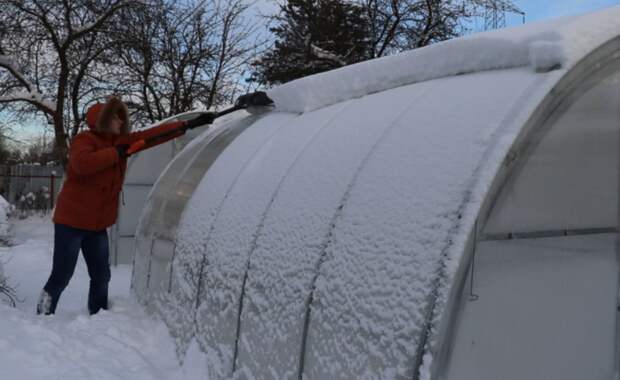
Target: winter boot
{"points": [[97, 297], [44, 306]]}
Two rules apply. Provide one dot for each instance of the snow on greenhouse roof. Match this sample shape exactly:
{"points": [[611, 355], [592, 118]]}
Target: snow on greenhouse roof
{"points": [[542, 46]]}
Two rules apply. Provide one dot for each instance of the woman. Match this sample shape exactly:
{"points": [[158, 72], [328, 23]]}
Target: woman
{"points": [[88, 201]]}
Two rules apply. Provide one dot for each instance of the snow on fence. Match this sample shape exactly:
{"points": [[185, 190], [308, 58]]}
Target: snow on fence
{"points": [[31, 187]]}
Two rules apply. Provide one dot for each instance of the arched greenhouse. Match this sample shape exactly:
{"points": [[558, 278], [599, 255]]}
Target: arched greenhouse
{"points": [[446, 213]]}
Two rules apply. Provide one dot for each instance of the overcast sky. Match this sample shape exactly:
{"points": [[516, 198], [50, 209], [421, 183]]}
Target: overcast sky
{"points": [[535, 10]]}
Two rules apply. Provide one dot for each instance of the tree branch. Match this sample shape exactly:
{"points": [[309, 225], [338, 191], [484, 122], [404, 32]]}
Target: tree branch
{"points": [[32, 98], [97, 23], [7, 63]]}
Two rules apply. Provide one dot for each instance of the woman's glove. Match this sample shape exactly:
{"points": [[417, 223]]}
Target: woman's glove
{"points": [[121, 149], [204, 118]]}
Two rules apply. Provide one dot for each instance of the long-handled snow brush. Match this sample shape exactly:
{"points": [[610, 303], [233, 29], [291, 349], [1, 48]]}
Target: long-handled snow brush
{"points": [[257, 99]]}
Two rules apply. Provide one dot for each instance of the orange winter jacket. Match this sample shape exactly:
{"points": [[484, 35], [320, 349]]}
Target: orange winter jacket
{"points": [[94, 176]]}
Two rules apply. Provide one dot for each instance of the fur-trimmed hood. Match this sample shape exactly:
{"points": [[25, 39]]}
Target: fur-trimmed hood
{"points": [[99, 116]]}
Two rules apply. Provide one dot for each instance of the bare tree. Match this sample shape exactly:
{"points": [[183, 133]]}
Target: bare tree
{"points": [[46, 47], [40, 150], [398, 25], [176, 57]]}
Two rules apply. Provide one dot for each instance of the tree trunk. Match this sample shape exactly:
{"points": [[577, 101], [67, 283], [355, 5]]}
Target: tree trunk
{"points": [[59, 126], [60, 137]]}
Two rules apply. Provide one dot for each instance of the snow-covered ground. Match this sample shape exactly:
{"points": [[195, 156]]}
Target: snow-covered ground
{"points": [[121, 343]]}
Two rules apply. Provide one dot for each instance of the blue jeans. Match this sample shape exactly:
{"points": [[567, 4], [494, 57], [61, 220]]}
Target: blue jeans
{"points": [[67, 244]]}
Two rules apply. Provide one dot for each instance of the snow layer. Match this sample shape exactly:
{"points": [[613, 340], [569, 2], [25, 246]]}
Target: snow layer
{"points": [[121, 343], [179, 307], [296, 230], [376, 281], [318, 239], [233, 240], [541, 46]]}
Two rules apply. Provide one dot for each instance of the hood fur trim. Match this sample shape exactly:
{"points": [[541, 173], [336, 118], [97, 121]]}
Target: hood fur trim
{"points": [[114, 106]]}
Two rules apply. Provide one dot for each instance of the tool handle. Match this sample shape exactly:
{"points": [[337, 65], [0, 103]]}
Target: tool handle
{"points": [[139, 145], [229, 110]]}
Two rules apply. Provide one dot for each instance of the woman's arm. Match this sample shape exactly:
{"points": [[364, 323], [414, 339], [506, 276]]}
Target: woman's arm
{"points": [[151, 132], [85, 159]]}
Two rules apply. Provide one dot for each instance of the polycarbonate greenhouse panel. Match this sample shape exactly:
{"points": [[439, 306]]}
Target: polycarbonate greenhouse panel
{"points": [[129, 216], [382, 258], [140, 269], [165, 218], [356, 231], [545, 309], [145, 167], [162, 189], [154, 220], [566, 181], [173, 309], [229, 156], [297, 227], [190, 177], [124, 244], [160, 266], [237, 226]]}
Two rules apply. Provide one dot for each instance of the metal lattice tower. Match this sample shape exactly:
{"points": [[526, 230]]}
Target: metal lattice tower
{"points": [[495, 13]]}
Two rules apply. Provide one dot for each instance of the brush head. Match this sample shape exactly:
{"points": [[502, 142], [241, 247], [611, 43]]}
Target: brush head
{"points": [[255, 99]]}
